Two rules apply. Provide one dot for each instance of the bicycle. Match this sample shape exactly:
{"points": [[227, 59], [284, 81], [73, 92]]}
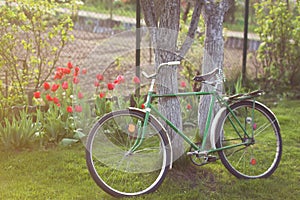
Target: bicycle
{"points": [[128, 152]]}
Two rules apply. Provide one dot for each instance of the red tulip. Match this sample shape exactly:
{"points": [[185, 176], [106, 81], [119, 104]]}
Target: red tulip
{"points": [[136, 80], [70, 65], [66, 70], [78, 108], [37, 94], [102, 94], [49, 98], [75, 80], [46, 86], [55, 100], [119, 79], [80, 95], [58, 75], [96, 84], [189, 107], [77, 69], [54, 87], [69, 109], [65, 85], [110, 86], [84, 71], [183, 84], [99, 77]]}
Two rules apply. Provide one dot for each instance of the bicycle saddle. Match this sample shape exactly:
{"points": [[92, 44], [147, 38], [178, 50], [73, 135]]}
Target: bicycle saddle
{"points": [[205, 77]]}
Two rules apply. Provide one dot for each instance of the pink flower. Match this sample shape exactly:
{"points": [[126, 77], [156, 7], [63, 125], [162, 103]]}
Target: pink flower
{"points": [[46, 86], [37, 94], [69, 109], [183, 84], [75, 80], [96, 84], [136, 80], [110, 86], [78, 108], [84, 71], [65, 85], [80, 95], [119, 79]]}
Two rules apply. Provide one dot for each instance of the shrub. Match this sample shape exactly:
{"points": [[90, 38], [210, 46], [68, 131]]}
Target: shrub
{"points": [[19, 133], [39, 33], [278, 28]]}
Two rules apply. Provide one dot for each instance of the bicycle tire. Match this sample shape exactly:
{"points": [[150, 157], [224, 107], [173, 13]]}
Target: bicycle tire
{"points": [[260, 159], [114, 170]]}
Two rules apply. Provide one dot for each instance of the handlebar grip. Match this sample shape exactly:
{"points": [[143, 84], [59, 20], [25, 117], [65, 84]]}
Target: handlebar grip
{"points": [[174, 63]]}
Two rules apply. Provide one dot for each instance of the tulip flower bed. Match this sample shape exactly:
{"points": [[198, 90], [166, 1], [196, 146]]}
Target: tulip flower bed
{"points": [[63, 111], [65, 107]]}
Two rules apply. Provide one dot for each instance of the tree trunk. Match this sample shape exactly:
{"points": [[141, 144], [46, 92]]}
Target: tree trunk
{"points": [[213, 13], [167, 79], [162, 18]]}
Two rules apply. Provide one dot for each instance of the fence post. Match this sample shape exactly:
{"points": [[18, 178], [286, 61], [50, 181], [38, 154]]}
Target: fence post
{"points": [[138, 45], [245, 46]]}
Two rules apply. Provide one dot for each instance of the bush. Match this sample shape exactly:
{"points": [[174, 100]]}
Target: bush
{"points": [[39, 33], [278, 28]]}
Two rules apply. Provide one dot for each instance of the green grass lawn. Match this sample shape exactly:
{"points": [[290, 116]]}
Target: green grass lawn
{"points": [[61, 173]]}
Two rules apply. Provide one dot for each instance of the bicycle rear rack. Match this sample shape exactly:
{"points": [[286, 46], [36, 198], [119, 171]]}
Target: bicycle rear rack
{"points": [[240, 97]]}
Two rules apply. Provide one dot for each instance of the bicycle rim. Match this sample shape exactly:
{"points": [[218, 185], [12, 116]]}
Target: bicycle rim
{"points": [[257, 160], [117, 171]]}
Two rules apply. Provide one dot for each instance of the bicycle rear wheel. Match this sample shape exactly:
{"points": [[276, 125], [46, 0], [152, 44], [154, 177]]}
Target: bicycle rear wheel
{"points": [[258, 159], [113, 167]]}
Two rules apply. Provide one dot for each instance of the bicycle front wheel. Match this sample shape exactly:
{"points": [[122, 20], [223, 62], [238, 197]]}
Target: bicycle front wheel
{"points": [[261, 154], [115, 166]]}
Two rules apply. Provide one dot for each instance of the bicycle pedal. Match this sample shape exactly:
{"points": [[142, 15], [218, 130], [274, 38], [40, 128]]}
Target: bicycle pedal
{"points": [[192, 153], [211, 158]]}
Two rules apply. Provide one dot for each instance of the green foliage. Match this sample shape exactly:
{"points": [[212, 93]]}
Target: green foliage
{"points": [[18, 133], [193, 59], [39, 32], [278, 28], [56, 125], [102, 106]]}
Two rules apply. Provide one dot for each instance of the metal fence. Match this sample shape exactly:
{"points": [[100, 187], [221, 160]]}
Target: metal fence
{"points": [[105, 39]]}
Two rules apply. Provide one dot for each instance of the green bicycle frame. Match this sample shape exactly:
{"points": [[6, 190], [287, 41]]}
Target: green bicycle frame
{"points": [[214, 97]]}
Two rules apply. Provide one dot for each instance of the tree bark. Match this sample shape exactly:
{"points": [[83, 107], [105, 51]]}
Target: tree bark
{"points": [[163, 18], [213, 13]]}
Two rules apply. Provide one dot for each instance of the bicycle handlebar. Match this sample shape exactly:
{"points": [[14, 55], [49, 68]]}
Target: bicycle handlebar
{"points": [[159, 67]]}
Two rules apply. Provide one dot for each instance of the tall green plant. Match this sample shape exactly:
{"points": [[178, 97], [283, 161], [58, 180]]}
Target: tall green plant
{"points": [[278, 28], [32, 37], [19, 133]]}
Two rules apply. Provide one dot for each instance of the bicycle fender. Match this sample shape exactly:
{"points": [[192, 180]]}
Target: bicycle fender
{"points": [[220, 114], [168, 137]]}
